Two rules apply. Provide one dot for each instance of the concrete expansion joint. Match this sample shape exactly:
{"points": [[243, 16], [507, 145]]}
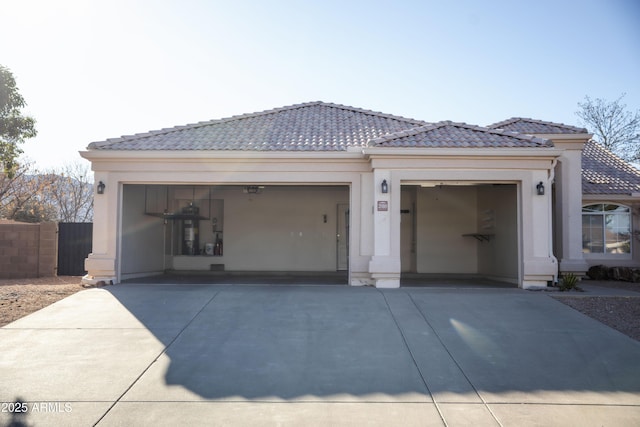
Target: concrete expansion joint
{"points": [[478, 394], [413, 358], [155, 360]]}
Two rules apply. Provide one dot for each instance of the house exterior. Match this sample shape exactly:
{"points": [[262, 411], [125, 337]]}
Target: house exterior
{"points": [[610, 203], [320, 187]]}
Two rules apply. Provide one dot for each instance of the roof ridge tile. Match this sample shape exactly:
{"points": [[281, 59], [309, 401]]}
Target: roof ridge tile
{"points": [[513, 120], [373, 112], [476, 128]]}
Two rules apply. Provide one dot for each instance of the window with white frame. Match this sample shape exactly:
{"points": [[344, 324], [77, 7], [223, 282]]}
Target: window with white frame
{"points": [[606, 229]]}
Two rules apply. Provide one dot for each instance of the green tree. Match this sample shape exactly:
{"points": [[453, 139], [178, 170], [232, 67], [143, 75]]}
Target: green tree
{"points": [[612, 125], [14, 126]]}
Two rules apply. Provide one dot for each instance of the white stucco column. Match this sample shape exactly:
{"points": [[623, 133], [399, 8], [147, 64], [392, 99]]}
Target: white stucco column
{"points": [[570, 205], [385, 262], [362, 221], [101, 263], [538, 262]]}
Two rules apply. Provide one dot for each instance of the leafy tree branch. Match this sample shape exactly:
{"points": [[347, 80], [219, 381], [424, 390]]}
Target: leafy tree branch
{"points": [[14, 126]]}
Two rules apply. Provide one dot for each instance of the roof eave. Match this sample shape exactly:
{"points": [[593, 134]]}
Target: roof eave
{"points": [[139, 155], [565, 137], [545, 152], [599, 197]]}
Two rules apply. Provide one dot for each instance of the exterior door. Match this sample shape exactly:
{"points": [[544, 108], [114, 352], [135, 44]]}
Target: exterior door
{"points": [[342, 236]]}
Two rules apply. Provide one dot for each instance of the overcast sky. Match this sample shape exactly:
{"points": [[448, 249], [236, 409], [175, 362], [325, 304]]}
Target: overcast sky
{"points": [[92, 70]]}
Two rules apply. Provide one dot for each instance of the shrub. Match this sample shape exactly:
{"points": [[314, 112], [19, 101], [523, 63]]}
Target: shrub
{"points": [[569, 282]]}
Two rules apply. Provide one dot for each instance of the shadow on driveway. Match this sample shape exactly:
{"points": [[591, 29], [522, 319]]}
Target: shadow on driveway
{"points": [[178, 354], [282, 342]]}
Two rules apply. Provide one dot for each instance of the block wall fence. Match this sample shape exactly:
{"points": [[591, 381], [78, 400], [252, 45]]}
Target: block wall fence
{"points": [[28, 250]]}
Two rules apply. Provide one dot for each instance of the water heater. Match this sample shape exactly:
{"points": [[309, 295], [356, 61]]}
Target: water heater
{"points": [[190, 233]]}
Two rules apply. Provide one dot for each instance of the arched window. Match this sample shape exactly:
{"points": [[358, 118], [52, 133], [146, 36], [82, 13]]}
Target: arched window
{"points": [[606, 229]]}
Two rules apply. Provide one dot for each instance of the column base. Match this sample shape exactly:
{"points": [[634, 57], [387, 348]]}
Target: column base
{"points": [[385, 271], [578, 267], [361, 279], [386, 281], [537, 284], [99, 269], [98, 280]]}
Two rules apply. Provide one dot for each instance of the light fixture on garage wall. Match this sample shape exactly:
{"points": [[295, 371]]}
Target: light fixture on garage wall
{"points": [[384, 186], [540, 189], [101, 187]]}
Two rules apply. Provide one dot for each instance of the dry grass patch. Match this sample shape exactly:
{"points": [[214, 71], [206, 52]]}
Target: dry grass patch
{"points": [[20, 297]]}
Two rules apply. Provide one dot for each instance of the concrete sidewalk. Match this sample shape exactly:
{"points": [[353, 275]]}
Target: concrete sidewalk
{"points": [[312, 355]]}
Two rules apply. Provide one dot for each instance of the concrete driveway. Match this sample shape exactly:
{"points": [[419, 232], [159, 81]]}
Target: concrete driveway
{"points": [[312, 355]]}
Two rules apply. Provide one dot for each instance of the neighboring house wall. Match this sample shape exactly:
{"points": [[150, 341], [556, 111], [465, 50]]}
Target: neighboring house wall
{"points": [[28, 250]]}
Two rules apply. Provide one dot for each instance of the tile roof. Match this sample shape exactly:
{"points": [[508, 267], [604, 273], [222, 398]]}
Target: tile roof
{"points": [[313, 126], [605, 173], [448, 134], [532, 126], [317, 126]]}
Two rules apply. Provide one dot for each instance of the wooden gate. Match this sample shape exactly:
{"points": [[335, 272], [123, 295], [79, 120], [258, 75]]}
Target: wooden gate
{"points": [[74, 245]]}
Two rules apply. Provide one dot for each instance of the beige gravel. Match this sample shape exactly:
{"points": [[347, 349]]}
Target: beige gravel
{"points": [[619, 313]]}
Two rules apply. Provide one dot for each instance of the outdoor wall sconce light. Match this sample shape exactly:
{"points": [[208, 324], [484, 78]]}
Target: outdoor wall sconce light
{"points": [[540, 189], [384, 186], [101, 187]]}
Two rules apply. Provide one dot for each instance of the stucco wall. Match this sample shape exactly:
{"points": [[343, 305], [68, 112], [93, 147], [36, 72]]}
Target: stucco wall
{"points": [[444, 214], [375, 253], [498, 257], [282, 229], [142, 235], [28, 250], [408, 229]]}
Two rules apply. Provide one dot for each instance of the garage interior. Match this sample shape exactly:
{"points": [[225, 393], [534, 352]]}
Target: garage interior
{"points": [[452, 234], [459, 234], [207, 232]]}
